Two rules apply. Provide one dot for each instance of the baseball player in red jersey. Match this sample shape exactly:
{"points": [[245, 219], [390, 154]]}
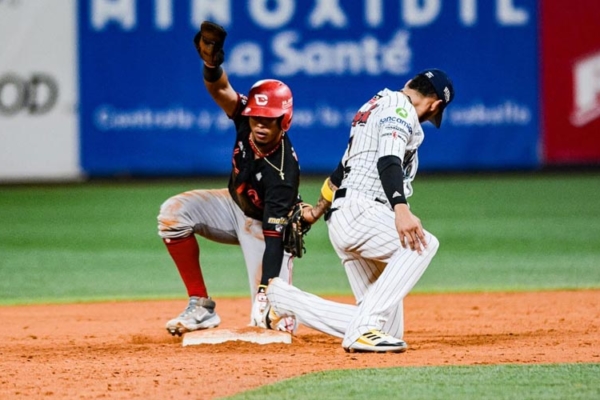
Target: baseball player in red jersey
{"points": [[381, 243], [252, 211]]}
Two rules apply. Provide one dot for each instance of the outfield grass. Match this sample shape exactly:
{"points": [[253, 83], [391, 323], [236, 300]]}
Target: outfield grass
{"points": [[509, 382], [96, 241]]}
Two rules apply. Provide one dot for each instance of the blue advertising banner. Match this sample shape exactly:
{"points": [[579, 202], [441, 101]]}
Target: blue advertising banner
{"points": [[144, 109]]}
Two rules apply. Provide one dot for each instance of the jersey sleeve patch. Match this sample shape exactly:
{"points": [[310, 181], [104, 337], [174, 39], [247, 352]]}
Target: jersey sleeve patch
{"points": [[241, 104]]}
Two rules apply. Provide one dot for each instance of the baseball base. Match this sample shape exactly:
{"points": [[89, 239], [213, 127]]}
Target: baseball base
{"points": [[249, 334]]}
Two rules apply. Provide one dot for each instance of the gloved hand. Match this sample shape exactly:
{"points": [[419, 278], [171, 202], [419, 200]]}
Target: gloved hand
{"points": [[209, 43]]}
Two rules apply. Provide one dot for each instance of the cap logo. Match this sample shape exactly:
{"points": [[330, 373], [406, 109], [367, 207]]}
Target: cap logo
{"points": [[288, 103], [447, 94], [261, 99], [429, 74]]}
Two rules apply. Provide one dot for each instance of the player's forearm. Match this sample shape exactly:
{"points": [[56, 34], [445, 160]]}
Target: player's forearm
{"points": [[272, 258], [218, 86], [323, 204], [320, 208]]}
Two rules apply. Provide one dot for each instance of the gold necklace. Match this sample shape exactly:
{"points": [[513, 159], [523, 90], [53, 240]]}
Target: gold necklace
{"points": [[264, 156]]}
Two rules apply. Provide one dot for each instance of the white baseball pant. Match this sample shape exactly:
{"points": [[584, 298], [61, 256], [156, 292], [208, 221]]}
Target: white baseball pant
{"points": [[214, 215], [380, 272]]}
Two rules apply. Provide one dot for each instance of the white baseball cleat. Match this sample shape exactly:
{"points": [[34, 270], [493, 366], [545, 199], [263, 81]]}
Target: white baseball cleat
{"points": [[287, 324], [272, 320], [376, 341], [261, 310], [199, 314]]}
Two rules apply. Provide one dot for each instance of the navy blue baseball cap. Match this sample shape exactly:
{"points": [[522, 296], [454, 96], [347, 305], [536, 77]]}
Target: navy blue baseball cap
{"points": [[443, 88]]}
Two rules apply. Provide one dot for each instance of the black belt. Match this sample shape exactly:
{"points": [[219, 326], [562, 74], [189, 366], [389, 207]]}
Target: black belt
{"points": [[341, 193], [338, 194]]}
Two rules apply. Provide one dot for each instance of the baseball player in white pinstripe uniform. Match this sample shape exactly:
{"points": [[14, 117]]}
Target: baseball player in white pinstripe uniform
{"points": [[381, 243]]}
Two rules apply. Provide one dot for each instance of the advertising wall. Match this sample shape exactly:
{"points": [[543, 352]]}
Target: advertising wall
{"points": [[114, 87], [571, 82], [38, 93], [144, 109]]}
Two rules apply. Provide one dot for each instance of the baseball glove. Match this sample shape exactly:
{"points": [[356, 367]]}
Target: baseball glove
{"points": [[209, 43], [294, 232]]}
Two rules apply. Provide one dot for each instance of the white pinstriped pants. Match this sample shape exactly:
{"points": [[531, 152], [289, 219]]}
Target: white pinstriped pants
{"points": [[380, 272]]}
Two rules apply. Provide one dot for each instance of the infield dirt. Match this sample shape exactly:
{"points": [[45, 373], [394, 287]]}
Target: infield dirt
{"points": [[120, 350]]}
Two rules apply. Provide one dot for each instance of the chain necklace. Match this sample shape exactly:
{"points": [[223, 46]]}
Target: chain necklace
{"points": [[264, 156]]}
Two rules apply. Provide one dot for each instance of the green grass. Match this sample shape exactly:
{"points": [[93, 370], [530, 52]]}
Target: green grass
{"points": [[522, 382], [96, 241], [513, 233]]}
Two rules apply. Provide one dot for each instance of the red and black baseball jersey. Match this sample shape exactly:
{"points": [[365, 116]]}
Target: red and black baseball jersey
{"points": [[265, 188]]}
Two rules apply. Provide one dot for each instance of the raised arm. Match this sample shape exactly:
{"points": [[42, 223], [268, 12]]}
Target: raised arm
{"points": [[209, 43]]}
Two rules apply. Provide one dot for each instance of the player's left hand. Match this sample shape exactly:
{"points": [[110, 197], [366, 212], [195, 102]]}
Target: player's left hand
{"points": [[209, 43], [409, 229], [307, 214], [295, 230]]}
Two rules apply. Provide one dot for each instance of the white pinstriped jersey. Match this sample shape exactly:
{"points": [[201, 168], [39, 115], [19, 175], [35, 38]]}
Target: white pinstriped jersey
{"points": [[364, 230], [387, 124]]}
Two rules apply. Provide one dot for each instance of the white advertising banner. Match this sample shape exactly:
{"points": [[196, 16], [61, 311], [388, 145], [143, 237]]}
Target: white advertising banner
{"points": [[39, 137]]}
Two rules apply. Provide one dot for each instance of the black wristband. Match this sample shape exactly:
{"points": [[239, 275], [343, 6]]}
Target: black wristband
{"points": [[337, 176], [392, 179], [212, 74]]}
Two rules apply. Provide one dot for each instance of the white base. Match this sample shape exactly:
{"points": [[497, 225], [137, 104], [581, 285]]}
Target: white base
{"points": [[250, 334]]}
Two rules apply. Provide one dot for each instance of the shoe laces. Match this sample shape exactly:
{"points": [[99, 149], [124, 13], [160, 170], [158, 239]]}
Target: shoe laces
{"points": [[191, 308]]}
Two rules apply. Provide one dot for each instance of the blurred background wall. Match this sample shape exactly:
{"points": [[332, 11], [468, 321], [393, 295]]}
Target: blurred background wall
{"points": [[39, 133], [113, 88]]}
